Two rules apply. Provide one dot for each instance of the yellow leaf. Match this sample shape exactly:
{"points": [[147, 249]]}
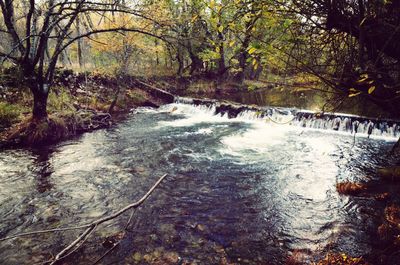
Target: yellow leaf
{"points": [[212, 4], [220, 28], [354, 94], [254, 62], [252, 50], [371, 89], [362, 80], [195, 18], [217, 49], [232, 43]]}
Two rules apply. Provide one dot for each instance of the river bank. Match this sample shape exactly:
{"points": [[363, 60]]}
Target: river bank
{"points": [[77, 103]]}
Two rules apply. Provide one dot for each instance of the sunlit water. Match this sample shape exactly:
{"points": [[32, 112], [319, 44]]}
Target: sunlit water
{"points": [[246, 191]]}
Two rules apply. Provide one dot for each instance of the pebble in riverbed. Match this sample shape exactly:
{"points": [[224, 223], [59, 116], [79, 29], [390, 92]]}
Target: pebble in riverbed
{"points": [[156, 257]]}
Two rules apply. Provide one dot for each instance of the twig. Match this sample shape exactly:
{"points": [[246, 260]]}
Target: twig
{"points": [[97, 222], [119, 241], [130, 219], [82, 239], [107, 252], [66, 251], [45, 231]]}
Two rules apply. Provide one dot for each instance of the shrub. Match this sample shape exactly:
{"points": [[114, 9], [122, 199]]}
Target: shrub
{"points": [[59, 100]]}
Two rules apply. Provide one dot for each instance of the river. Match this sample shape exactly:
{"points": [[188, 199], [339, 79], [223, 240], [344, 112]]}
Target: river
{"points": [[245, 191]]}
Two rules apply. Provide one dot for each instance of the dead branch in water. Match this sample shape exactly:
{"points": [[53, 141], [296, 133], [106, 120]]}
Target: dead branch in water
{"points": [[78, 242]]}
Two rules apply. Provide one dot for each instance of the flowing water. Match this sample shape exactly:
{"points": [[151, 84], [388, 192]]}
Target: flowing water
{"points": [[244, 190]]}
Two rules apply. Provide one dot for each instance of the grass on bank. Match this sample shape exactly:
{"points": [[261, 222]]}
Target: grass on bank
{"points": [[9, 114]]}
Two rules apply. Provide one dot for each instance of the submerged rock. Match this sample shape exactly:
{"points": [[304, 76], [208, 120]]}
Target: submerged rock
{"points": [[340, 259], [392, 215], [350, 188]]}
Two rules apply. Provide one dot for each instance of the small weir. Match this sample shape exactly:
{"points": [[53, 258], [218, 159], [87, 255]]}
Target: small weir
{"points": [[302, 118]]}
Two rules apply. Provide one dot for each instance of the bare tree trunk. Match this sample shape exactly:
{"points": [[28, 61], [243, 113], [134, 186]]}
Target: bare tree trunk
{"points": [[361, 37], [221, 60], [78, 29], [114, 102], [179, 57], [157, 55], [40, 95]]}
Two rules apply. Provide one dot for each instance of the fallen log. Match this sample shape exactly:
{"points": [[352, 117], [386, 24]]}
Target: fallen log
{"points": [[156, 92]]}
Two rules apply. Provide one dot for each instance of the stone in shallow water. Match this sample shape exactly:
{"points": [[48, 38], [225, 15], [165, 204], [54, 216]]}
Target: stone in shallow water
{"points": [[141, 171], [137, 257], [171, 257]]}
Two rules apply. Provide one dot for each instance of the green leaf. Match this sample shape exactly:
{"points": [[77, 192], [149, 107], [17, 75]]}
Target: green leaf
{"points": [[251, 87], [287, 23], [371, 89]]}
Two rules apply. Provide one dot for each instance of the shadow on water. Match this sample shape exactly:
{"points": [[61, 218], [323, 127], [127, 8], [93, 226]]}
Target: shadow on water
{"points": [[240, 192], [42, 169]]}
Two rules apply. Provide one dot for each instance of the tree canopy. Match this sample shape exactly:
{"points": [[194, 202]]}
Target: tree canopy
{"points": [[351, 46]]}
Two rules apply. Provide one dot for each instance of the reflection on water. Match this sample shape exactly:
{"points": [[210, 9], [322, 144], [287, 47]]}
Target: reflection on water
{"points": [[242, 191]]}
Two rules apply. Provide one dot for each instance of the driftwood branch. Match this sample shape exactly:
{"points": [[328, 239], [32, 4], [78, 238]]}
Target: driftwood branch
{"points": [[157, 92], [115, 244], [72, 247]]}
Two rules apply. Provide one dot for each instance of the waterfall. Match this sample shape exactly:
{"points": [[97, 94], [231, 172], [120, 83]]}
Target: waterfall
{"points": [[295, 117]]}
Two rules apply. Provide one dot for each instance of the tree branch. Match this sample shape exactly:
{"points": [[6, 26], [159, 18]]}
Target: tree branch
{"points": [[73, 246]]}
